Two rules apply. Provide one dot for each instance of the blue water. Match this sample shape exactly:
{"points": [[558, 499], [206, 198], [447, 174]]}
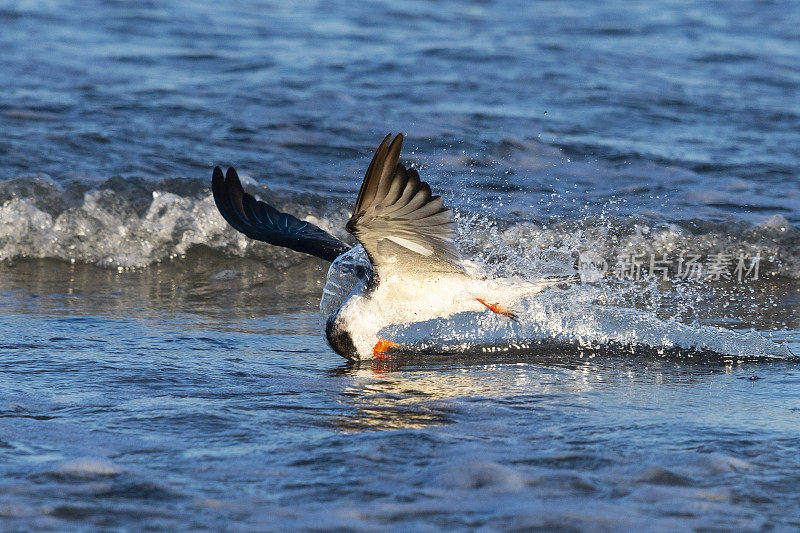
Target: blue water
{"points": [[696, 102], [160, 371]]}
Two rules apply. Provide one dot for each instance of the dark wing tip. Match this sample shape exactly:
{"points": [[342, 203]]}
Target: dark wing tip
{"points": [[231, 176], [235, 192], [392, 156], [369, 186], [217, 182]]}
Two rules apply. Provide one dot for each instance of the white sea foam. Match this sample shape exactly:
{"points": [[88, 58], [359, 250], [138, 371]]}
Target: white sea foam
{"points": [[570, 317], [134, 223], [87, 469], [96, 233], [113, 228]]}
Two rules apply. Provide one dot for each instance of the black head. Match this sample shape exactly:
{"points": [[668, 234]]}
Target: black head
{"points": [[339, 339]]}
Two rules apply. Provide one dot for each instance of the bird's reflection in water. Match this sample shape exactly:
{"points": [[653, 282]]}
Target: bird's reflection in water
{"points": [[419, 392]]}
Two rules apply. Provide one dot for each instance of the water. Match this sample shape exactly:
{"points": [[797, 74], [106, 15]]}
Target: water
{"points": [[159, 370]]}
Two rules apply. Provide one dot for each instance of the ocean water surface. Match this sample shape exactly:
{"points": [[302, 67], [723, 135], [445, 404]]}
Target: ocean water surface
{"points": [[161, 371]]}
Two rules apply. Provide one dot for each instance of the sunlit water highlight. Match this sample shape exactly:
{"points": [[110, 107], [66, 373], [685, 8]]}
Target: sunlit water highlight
{"points": [[161, 371]]}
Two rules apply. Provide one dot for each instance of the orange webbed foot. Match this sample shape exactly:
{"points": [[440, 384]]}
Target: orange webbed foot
{"points": [[382, 347], [499, 309]]}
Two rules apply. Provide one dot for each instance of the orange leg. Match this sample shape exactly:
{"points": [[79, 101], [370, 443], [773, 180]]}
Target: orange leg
{"points": [[499, 309], [381, 348]]}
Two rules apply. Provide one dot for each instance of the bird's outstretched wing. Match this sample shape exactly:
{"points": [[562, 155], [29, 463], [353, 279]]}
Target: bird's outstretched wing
{"points": [[259, 220], [402, 226]]}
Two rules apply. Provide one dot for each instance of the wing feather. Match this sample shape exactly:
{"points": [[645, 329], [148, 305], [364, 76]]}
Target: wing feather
{"points": [[259, 220], [397, 219]]}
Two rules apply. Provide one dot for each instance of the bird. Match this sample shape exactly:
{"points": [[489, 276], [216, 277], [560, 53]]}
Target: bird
{"points": [[405, 269]]}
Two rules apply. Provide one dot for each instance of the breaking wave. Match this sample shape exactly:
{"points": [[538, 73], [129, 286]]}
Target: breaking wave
{"points": [[135, 222]]}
